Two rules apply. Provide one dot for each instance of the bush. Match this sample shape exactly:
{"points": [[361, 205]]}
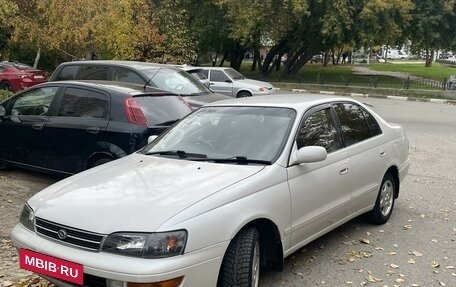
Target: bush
{"points": [[4, 94]]}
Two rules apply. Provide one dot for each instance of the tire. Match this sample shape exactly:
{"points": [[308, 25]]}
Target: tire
{"points": [[3, 165], [385, 201], [243, 94], [100, 161], [241, 264], [6, 86]]}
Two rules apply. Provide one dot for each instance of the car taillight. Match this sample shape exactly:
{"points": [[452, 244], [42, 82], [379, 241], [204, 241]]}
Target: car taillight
{"points": [[134, 112]]}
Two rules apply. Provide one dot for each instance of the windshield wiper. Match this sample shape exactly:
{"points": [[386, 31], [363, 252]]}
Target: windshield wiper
{"points": [[237, 159], [179, 153]]}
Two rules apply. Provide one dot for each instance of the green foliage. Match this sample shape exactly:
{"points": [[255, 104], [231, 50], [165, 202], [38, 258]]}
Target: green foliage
{"points": [[4, 94]]}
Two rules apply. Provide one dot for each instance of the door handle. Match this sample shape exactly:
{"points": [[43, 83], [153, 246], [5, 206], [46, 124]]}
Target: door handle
{"points": [[93, 130], [37, 127], [343, 171], [382, 153]]}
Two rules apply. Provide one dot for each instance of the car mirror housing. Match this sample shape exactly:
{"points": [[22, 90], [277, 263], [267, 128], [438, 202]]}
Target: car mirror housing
{"points": [[151, 139], [309, 154]]}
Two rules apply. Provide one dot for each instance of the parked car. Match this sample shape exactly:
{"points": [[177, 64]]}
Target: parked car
{"points": [[284, 171], [199, 74], [451, 83], [161, 76], [17, 76], [66, 127], [397, 55], [230, 82]]}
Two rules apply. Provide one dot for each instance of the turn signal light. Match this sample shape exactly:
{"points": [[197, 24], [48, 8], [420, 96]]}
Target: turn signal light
{"points": [[176, 282]]}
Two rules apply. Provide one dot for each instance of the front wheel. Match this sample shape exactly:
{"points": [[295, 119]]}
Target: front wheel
{"points": [[241, 264], [385, 201], [244, 94]]}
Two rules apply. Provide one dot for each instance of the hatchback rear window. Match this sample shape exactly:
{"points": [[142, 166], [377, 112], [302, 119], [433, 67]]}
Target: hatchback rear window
{"points": [[160, 110]]}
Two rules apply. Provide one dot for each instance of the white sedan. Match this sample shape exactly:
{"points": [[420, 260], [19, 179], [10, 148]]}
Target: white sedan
{"points": [[235, 186]]}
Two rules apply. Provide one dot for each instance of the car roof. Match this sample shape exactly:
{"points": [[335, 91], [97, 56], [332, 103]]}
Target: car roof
{"points": [[215, 68], [131, 64], [129, 88], [299, 101]]}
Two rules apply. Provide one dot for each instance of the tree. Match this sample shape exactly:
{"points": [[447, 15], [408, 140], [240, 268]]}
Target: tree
{"points": [[432, 26], [8, 10]]}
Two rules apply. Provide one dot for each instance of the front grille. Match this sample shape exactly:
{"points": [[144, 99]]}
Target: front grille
{"points": [[76, 237]]}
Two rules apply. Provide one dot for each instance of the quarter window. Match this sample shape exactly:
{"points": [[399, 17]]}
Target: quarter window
{"points": [[94, 73], [125, 75], [82, 103], [319, 129], [353, 123]]}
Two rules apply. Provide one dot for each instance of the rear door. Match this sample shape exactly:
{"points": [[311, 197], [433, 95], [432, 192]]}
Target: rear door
{"points": [[22, 128], [75, 127]]}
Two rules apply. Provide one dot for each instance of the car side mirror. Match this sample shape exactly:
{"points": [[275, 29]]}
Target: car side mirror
{"points": [[2, 111], [309, 154], [228, 81], [151, 139]]}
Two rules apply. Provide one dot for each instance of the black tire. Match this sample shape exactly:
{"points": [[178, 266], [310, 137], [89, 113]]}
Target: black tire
{"points": [[100, 161], [243, 94], [6, 86], [241, 264], [3, 165], [385, 201]]}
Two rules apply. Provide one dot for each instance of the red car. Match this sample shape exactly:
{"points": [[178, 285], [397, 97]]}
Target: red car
{"points": [[17, 76]]}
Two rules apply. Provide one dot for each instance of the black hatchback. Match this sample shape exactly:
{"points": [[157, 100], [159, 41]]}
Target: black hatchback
{"points": [[69, 126]]}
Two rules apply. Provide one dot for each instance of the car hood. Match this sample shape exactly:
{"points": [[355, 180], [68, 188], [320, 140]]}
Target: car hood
{"points": [[135, 193], [253, 83], [200, 100]]}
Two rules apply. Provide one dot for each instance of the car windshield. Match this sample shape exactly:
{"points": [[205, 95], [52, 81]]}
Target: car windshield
{"points": [[233, 74], [178, 82], [19, 66], [227, 134]]}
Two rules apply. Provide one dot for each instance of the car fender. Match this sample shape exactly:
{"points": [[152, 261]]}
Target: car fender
{"points": [[256, 196], [101, 149]]}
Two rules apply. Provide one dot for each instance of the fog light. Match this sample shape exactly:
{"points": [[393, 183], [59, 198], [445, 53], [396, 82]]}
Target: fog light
{"points": [[176, 282]]}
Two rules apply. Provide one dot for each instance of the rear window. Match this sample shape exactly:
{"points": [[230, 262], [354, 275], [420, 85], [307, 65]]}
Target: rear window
{"points": [[162, 110]]}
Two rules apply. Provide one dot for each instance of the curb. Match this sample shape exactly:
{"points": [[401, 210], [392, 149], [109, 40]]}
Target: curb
{"points": [[394, 98]]}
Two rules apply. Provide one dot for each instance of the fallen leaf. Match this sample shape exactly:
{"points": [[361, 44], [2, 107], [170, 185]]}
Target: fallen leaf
{"points": [[442, 284], [415, 285], [365, 241], [450, 267], [417, 254], [374, 279], [391, 253], [411, 261], [400, 280], [435, 264], [394, 266], [406, 227]]}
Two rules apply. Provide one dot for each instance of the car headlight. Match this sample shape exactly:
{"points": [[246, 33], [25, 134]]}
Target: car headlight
{"points": [[146, 245], [27, 217]]}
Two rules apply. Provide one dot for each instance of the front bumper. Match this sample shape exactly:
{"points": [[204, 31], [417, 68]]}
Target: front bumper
{"points": [[199, 268]]}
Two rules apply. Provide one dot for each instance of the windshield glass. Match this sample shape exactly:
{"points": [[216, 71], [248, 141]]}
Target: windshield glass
{"points": [[178, 82], [233, 74], [254, 133], [162, 109]]}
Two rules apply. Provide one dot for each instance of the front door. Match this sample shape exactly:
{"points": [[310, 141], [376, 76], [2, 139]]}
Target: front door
{"points": [[220, 83], [320, 192], [22, 128]]}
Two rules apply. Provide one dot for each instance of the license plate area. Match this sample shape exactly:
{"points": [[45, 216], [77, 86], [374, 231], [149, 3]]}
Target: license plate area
{"points": [[51, 266]]}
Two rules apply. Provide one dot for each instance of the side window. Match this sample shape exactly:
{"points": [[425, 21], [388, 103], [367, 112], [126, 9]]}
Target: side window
{"points": [[319, 129], [34, 102], [68, 73], [373, 125], [218, 76], [125, 75], [353, 124], [94, 73], [83, 103], [205, 73]]}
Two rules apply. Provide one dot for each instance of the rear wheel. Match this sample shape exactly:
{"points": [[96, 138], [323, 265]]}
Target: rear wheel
{"points": [[100, 161], [241, 264], [385, 201]]}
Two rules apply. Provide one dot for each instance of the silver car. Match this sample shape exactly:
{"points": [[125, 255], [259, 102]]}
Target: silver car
{"points": [[234, 187], [230, 82]]}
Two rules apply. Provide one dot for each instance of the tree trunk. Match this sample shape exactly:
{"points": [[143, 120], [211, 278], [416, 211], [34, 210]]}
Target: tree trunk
{"points": [[222, 62], [37, 58]]}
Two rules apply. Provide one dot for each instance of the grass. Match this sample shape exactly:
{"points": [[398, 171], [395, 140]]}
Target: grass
{"points": [[437, 72]]}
